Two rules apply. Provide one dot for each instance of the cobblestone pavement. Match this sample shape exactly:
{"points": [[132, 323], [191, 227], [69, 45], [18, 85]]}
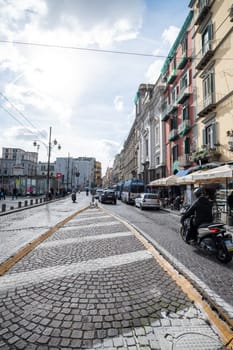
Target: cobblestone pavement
{"points": [[93, 285]]}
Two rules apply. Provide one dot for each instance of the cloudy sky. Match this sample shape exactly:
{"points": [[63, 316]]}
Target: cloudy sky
{"points": [[60, 66]]}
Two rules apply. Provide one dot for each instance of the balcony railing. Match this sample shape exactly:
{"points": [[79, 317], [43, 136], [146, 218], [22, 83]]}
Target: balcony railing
{"points": [[173, 134], [184, 160], [182, 62], [184, 127], [184, 94], [206, 53], [204, 7], [171, 78], [208, 104]]}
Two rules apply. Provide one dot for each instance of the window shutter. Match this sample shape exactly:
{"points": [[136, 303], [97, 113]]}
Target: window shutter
{"points": [[187, 145], [204, 140], [214, 133]]}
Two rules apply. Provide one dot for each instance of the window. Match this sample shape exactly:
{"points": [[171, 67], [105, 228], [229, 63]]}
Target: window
{"points": [[173, 122], [187, 145], [206, 38], [175, 153], [184, 45], [173, 95], [185, 112], [208, 85], [184, 81], [209, 135]]}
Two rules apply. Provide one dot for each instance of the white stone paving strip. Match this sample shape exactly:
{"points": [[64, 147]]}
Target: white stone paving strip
{"points": [[97, 224], [49, 273], [89, 217], [65, 241]]}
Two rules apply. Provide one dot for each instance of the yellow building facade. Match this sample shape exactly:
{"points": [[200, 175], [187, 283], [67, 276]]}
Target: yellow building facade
{"points": [[213, 75]]}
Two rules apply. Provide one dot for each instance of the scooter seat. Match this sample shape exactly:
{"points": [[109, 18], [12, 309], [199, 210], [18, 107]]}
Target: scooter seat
{"points": [[206, 224]]}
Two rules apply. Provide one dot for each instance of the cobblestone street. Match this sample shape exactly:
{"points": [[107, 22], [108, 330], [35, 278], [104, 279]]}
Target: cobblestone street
{"points": [[93, 285]]}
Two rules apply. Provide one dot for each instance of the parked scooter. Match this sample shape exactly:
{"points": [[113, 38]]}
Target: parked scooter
{"points": [[73, 197], [211, 239]]}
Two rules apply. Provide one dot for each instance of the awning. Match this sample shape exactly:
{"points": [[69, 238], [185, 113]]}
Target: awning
{"points": [[216, 174], [165, 181], [182, 172]]}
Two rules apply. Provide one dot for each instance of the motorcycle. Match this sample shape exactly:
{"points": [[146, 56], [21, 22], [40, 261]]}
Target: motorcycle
{"points": [[73, 197], [211, 239]]}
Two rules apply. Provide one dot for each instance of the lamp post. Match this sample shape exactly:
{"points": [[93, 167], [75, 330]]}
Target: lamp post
{"points": [[49, 148]]}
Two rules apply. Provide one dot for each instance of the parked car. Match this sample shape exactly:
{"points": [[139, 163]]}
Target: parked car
{"points": [[108, 196], [147, 200]]}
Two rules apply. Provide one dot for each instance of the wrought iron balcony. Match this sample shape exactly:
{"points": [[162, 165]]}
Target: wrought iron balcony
{"points": [[208, 105], [171, 78], [184, 127], [204, 8], [207, 53], [173, 134], [184, 94], [182, 62]]}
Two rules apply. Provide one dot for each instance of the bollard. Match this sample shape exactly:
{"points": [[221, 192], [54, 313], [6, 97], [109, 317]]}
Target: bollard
{"points": [[41, 199], [11, 207], [31, 201], [19, 204], [25, 203], [3, 207], [36, 200]]}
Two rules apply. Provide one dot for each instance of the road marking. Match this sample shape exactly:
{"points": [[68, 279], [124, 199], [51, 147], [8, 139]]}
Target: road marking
{"points": [[6, 265], [49, 273], [65, 241]]}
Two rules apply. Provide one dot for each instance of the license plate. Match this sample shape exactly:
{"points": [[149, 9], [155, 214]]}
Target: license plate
{"points": [[229, 245]]}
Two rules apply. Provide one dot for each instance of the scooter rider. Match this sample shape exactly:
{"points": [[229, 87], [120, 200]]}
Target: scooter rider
{"points": [[201, 209]]}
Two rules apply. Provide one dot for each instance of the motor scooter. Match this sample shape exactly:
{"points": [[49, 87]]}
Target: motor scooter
{"points": [[211, 239], [73, 197]]}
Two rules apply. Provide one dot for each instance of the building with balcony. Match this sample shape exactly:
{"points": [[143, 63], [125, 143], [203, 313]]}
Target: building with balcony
{"points": [[177, 105], [213, 52]]}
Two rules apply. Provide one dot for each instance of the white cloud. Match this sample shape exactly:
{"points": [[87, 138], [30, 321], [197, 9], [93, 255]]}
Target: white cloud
{"points": [[87, 97], [119, 103], [170, 34]]}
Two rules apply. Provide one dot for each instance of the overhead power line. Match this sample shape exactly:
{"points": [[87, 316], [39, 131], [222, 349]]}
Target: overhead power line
{"points": [[21, 114], [96, 50], [80, 48]]}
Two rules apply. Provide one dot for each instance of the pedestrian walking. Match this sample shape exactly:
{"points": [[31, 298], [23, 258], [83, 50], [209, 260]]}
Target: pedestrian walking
{"points": [[14, 193]]}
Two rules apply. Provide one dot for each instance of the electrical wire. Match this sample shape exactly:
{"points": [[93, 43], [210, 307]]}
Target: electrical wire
{"points": [[22, 115], [80, 48]]}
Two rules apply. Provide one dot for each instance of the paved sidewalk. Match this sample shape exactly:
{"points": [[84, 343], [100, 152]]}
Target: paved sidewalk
{"points": [[93, 285]]}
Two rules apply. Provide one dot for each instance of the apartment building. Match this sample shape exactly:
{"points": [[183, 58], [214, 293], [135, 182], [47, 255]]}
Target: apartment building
{"points": [[212, 65], [177, 104]]}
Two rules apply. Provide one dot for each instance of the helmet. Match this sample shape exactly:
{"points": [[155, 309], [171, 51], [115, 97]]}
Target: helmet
{"points": [[198, 192]]}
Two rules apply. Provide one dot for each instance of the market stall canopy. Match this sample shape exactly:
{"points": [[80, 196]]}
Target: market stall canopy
{"points": [[216, 174], [165, 181], [188, 179]]}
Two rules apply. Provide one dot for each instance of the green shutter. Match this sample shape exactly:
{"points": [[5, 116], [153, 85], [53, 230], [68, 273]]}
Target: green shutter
{"points": [[187, 145]]}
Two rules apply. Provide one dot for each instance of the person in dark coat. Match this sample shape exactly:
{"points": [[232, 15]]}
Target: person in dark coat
{"points": [[201, 209]]}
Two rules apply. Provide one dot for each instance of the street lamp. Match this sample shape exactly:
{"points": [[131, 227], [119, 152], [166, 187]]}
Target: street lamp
{"points": [[49, 148]]}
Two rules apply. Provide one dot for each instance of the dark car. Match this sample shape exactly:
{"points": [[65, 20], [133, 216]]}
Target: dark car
{"points": [[108, 196]]}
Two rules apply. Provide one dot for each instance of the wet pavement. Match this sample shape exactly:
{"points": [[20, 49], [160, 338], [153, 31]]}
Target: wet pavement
{"points": [[93, 285]]}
